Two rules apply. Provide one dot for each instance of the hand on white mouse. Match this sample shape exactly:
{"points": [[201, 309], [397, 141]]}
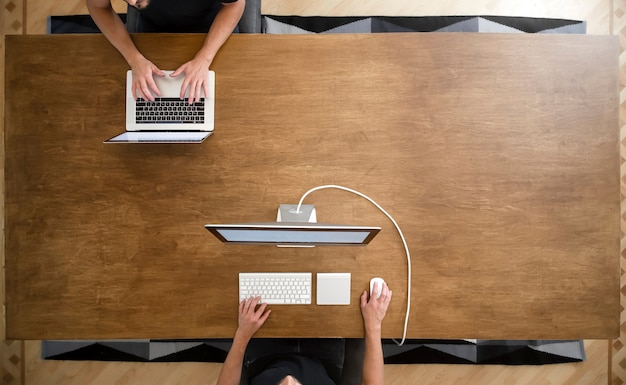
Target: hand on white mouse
{"points": [[379, 281], [374, 308]]}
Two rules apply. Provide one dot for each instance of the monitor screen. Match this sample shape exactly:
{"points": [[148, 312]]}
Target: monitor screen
{"points": [[293, 234]]}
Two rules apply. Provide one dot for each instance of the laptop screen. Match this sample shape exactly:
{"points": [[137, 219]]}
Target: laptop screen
{"points": [[160, 137]]}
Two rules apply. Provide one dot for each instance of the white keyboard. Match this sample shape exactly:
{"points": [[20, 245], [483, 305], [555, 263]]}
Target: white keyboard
{"points": [[276, 288]]}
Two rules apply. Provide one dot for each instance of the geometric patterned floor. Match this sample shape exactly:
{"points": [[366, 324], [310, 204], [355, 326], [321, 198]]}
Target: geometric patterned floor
{"points": [[481, 352], [11, 352], [12, 362], [618, 349], [380, 24], [332, 25]]}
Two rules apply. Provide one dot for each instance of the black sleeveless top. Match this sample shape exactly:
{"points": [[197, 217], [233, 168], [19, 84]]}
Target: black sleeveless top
{"points": [[179, 16]]}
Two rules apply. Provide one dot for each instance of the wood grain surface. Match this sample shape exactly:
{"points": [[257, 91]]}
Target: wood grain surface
{"points": [[500, 162]]}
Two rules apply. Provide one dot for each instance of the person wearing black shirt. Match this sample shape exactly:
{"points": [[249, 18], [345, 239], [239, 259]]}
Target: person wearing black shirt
{"points": [[294, 369], [218, 19]]}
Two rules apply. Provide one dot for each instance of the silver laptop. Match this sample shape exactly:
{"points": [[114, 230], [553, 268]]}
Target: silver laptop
{"points": [[168, 119]]}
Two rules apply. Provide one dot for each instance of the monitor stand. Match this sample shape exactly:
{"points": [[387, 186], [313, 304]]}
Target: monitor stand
{"points": [[288, 213]]}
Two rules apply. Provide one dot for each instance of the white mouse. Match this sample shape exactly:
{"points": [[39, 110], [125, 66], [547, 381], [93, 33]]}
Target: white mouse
{"points": [[379, 287]]}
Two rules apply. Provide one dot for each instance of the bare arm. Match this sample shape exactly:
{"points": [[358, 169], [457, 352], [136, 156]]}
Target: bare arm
{"points": [[115, 31], [250, 320], [374, 312], [195, 70]]}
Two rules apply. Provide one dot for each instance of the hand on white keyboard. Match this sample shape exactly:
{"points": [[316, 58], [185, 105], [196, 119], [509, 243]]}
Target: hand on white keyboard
{"points": [[276, 288]]}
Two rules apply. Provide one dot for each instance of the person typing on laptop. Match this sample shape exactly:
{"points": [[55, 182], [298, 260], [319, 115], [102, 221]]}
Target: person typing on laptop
{"points": [[216, 18], [295, 368]]}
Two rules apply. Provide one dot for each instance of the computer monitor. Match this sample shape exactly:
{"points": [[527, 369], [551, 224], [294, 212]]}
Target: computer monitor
{"points": [[294, 234]]}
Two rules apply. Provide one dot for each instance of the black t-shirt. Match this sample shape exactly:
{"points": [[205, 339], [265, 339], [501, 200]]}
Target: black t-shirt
{"points": [[180, 15], [307, 370]]}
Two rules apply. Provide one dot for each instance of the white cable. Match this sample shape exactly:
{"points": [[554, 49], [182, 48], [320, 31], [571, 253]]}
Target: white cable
{"points": [[406, 247]]}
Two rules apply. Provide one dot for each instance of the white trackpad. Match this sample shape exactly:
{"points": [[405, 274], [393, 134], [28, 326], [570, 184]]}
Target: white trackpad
{"points": [[333, 288]]}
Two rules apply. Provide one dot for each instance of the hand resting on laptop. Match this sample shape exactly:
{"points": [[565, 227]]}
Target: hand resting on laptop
{"points": [[216, 18]]}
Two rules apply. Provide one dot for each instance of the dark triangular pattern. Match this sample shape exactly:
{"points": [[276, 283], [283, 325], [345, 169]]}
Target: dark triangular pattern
{"points": [[413, 351], [465, 352], [201, 353], [564, 348], [490, 354], [425, 355], [580, 28], [358, 26], [97, 352], [140, 349], [530, 24], [315, 24], [416, 24], [54, 348], [162, 349], [382, 26], [500, 355], [468, 25]]}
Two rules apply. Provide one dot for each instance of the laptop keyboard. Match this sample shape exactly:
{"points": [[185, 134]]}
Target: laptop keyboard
{"points": [[276, 288], [169, 110]]}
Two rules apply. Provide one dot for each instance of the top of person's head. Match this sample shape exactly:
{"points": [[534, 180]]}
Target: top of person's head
{"points": [[289, 381], [139, 4]]}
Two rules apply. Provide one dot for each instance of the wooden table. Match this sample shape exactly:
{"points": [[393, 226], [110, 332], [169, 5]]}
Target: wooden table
{"points": [[497, 155]]}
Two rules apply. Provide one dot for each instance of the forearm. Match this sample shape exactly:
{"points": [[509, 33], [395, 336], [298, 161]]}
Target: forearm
{"points": [[114, 30], [225, 22], [231, 370], [373, 361]]}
